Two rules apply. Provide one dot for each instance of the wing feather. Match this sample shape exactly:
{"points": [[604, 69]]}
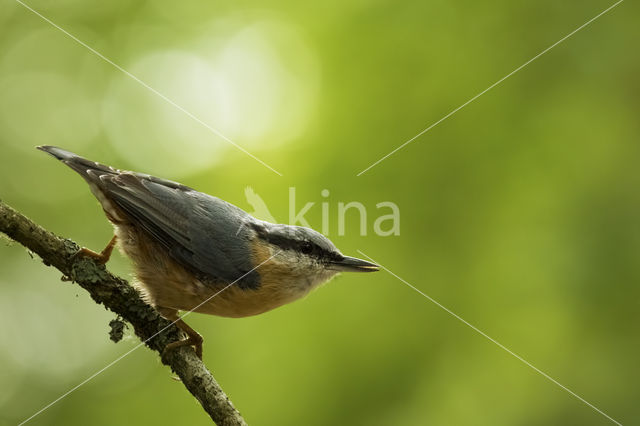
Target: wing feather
{"points": [[204, 233]]}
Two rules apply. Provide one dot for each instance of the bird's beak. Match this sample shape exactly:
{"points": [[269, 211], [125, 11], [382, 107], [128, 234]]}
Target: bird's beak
{"points": [[352, 264]]}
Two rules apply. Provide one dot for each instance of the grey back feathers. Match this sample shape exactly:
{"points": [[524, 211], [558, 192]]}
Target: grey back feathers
{"points": [[203, 233]]}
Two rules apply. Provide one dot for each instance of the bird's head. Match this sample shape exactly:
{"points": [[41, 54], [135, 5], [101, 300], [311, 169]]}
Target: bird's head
{"points": [[304, 254]]}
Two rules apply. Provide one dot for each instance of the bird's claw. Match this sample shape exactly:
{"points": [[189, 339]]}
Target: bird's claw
{"points": [[194, 340], [102, 257]]}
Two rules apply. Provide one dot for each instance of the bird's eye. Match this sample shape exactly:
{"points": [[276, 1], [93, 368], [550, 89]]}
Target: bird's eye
{"points": [[306, 248]]}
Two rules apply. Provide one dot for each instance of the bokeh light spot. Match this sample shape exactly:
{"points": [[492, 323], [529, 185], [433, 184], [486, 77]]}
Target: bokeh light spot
{"points": [[255, 84]]}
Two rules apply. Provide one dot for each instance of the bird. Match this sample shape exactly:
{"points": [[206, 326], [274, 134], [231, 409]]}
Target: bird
{"points": [[198, 253]]}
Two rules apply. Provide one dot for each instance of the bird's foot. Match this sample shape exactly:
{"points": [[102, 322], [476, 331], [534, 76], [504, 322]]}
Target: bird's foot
{"points": [[102, 257], [194, 340]]}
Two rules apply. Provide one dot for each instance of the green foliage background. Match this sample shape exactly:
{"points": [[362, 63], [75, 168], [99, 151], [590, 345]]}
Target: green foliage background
{"points": [[520, 213]]}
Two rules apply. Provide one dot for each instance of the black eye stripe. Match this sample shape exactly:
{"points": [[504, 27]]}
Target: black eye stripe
{"points": [[307, 248], [291, 241]]}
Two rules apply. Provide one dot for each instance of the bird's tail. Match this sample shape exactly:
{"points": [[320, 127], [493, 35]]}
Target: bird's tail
{"points": [[59, 153], [95, 174], [86, 168]]}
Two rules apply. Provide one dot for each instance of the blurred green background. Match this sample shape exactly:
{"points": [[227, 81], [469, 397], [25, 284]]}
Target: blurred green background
{"points": [[520, 213]]}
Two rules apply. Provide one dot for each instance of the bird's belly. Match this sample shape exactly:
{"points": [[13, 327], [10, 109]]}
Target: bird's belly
{"points": [[177, 289], [236, 302], [221, 300]]}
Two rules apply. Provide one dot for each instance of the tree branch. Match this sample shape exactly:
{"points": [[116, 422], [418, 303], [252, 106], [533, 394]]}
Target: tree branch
{"points": [[118, 296]]}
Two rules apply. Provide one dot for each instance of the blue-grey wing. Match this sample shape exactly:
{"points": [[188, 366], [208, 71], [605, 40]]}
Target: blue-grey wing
{"points": [[203, 233]]}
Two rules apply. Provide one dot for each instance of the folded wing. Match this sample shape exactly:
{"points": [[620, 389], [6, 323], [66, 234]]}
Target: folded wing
{"points": [[203, 233]]}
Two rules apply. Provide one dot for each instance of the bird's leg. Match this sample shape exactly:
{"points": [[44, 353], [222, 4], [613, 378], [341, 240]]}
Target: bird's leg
{"points": [[194, 338], [102, 257]]}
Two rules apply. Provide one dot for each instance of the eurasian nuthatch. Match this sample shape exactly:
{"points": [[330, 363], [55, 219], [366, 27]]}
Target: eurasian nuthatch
{"points": [[195, 252]]}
